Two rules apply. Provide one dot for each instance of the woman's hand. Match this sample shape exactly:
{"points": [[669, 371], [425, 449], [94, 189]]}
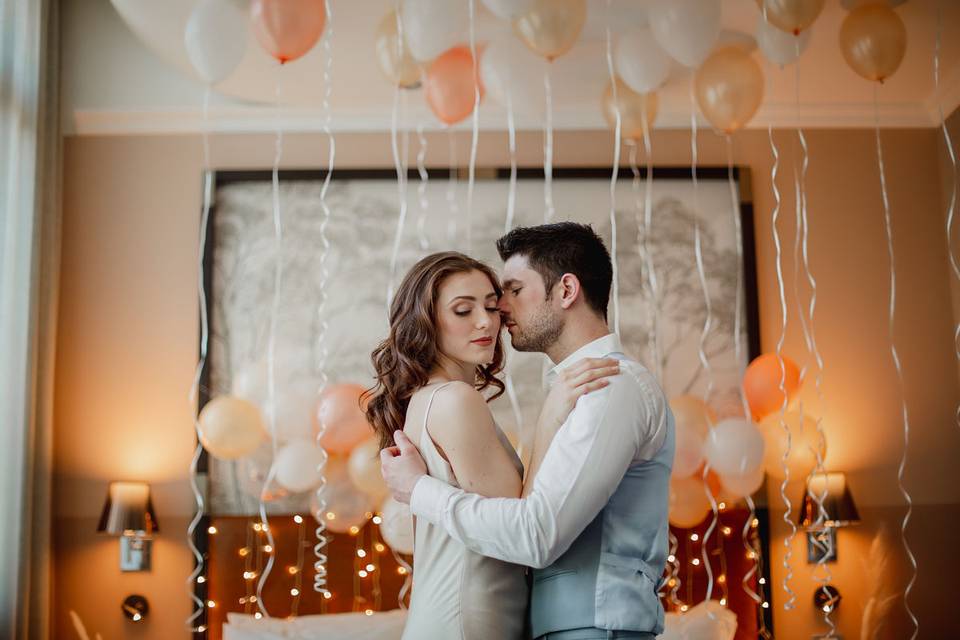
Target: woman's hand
{"points": [[583, 377]]}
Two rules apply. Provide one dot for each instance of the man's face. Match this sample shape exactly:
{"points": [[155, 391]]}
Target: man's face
{"points": [[528, 310]]}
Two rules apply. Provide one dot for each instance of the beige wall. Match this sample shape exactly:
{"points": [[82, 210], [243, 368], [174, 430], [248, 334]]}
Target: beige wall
{"points": [[128, 336]]}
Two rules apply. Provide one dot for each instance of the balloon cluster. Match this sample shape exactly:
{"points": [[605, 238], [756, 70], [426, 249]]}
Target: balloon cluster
{"points": [[741, 451], [232, 427]]}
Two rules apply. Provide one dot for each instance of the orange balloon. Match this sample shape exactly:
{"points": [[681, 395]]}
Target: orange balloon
{"points": [[394, 56], [761, 384], [450, 85], [688, 502], [635, 109], [792, 16], [287, 29], [551, 27], [873, 40], [805, 444], [729, 88], [340, 411]]}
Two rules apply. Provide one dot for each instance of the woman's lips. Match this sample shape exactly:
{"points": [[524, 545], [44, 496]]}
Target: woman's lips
{"points": [[483, 342]]}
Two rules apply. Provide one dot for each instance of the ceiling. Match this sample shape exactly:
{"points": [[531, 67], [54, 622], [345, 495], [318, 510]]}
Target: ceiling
{"points": [[819, 92]]}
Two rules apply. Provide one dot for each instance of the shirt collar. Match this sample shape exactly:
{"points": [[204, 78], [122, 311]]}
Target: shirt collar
{"points": [[599, 348]]}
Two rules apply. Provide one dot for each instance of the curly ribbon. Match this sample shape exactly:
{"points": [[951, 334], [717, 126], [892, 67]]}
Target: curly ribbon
{"points": [[192, 579], [614, 174], [475, 126], [548, 211], [422, 200], [888, 226], [652, 283], [512, 144], [400, 168], [298, 574], [272, 342], [453, 207], [952, 205], [319, 553]]}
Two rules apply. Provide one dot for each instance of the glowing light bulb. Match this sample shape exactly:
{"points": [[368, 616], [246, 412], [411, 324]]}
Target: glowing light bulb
{"points": [[684, 608], [294, 591], [331, 515], [722, 506], [257, 526], [377, 519], [763, 581], [354, 530], [362, 573], [721, 579], [258, 615], [361, 553], [267, 548], [201, 579], [694, 537], [379, 547], [369, 612], [327, 595], [671, 558], [402, 571], [695, 562], [727, 531], [370, 568], [723, 602], [292, 570], [298, 519], [766, 605], [212, 530], [755, 523], [211, 604]]}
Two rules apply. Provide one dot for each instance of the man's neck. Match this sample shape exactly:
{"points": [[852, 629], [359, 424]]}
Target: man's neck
{"points": [[576, 333]]}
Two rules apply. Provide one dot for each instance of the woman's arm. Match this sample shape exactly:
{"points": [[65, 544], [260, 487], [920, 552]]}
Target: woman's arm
{"points": [[462, 427]]}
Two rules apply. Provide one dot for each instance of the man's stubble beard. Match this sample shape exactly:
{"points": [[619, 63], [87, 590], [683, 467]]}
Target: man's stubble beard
{"points": [[541, 333]]}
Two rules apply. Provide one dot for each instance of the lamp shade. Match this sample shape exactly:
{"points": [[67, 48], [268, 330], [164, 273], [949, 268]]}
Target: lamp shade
{"points": [[128, 510], [837, 502]]}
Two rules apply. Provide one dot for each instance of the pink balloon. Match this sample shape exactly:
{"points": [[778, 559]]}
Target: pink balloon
{"points": [[340, 411], [287, 29]]}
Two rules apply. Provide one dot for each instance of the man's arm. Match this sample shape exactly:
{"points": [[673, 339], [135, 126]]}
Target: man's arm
{"points": [[582, 468]]}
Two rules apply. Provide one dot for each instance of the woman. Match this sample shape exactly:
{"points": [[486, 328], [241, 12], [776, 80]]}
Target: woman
{"points": [[443, 350]]}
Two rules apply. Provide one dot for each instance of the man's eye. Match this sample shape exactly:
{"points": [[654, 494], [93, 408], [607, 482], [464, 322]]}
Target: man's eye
{"points": [[493, 310], [516, 291]]}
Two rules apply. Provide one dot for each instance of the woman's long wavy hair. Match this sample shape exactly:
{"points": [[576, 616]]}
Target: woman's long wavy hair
{"points": [[404, 360]]}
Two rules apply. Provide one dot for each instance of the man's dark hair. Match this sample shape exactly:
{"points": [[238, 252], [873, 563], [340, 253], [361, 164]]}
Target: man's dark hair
{"points": [[564, 247]]}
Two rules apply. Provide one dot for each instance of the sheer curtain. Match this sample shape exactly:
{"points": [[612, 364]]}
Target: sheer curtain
{"points": [[29, 266]]}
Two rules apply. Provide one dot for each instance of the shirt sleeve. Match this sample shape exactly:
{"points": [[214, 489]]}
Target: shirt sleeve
{"points": [[582, 468]]}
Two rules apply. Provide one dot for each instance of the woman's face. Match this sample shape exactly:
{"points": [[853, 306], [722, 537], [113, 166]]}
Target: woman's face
{"points": [[468, 320]]}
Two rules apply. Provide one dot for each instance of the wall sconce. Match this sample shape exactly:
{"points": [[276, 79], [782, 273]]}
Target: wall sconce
{"points": [[128, 513], [840, 512]]}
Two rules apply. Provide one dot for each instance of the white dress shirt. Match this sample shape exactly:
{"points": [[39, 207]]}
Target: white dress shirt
{"points": [[608, 430]]}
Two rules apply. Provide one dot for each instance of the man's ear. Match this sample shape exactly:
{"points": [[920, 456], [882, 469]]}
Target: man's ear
{"points": [[569, 290]]}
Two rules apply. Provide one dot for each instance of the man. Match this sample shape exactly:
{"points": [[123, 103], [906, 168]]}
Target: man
{"points": [[592, 521]]}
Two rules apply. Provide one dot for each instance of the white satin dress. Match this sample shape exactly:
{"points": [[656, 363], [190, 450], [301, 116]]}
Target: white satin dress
{"points": [[459, 594]]}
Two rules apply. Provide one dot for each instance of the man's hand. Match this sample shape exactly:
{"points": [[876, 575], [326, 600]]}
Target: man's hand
{"points": [[401, 467]]}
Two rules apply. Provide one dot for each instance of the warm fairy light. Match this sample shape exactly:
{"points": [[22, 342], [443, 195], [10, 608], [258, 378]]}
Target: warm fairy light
{"points": [[722, 506], [671, 582], [763, 581], [331, 515], [721, 579], [354, 530], [671, 558], [402, 571], [258, 615], [369, 612], [694, 537], [684, 608], [243, 601], [377, 519], [751, 555], [267, 548], [723, 602], [249, 575], [370, 568], [727, 531], [361, 553], [211, 604], [201, 628], [243, 551], [695, 562], [766, 605], [201, 579], [379, 547], [362, 573], [137, 616], [298, 519], [294, 591], [257, 526], [368, 515], [292, 570], [212, 530], [327, 595], [755, 523]]}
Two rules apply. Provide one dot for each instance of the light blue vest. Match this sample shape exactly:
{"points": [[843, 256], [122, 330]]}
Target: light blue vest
{"points": [[610, 575]]}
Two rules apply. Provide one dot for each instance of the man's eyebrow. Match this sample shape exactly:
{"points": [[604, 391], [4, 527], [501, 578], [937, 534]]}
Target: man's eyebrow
{"points": [[510, 282]]}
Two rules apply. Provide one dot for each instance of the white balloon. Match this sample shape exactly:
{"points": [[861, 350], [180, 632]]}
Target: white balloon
{"points": [[780, 47], [346, 506], [709, 620], [689, 452], [742, 485], [640, 62], [296, 465], [250, 383], [686, 29], [430, 27], [511, 73], [397, 526], [734, 447], [216, 39], [672, 627], [508, 9], [295, 405]]}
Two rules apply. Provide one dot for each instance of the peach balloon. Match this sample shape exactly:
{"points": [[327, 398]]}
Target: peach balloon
{"points": [[394, 57], [288, 29], [690, 412], [688, 502], [736, 486], [729, 88], [804, 444], [873, 40], [792, 16], [761, 384], [342, 413], [450, 85], [230, 428], [551, 27], [345, 505], [364, 469], [635, 110]]}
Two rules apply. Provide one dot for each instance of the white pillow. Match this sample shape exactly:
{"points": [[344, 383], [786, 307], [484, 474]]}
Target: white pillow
{"points": [[242, 632], [382, 625]]}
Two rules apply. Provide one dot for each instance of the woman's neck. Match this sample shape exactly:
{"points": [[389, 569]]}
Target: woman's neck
{"points": [[448, 370]]}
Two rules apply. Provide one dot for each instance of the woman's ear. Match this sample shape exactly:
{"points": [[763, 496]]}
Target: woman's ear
{"points": [[569, 290]]}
